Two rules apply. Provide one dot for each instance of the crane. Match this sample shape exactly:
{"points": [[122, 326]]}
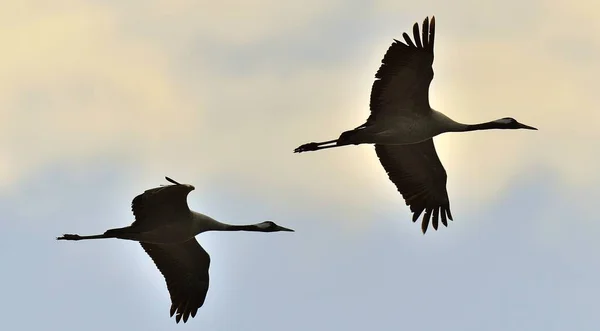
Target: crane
{"points": [[166, 228], [402, 125]]}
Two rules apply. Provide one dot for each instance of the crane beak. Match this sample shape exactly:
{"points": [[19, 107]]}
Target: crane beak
{"points": [[523, 126], [281, 228]]}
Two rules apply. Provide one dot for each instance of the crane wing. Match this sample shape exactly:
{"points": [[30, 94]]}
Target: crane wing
{"points": [[161, 204], [402, 82], [420, 177], [185, 269]]}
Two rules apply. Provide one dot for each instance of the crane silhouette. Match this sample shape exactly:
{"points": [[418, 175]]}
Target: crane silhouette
{"points": [[402, 125], [166, 228]]}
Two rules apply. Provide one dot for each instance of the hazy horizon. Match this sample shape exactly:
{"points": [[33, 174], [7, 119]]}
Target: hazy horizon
{"points": [[101, 100]]}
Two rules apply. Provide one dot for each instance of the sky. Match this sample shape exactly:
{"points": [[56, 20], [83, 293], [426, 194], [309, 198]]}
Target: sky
{"points": [[102, 99]]}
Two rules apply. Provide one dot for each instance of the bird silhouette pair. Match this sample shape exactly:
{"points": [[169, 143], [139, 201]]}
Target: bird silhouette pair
{"points": [[401, 125]]}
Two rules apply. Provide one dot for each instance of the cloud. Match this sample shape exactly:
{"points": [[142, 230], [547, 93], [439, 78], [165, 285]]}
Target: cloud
{"points": [[195, 90], [77, 88], [537, 66], [74, 88]]}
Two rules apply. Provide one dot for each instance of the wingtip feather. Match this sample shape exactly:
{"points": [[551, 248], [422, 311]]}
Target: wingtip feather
{"points": [[417, 36], [417, 213], [431, 32], [407, 39], [444, 220], [426, 33], [426, 219], [171, 180], [434, 221]]}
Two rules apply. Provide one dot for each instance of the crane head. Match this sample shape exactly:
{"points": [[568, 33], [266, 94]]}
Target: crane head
{"points": [[269, 226], [511, 123]]}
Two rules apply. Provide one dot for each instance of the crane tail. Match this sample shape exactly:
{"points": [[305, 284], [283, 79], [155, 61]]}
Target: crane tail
{"points": [[351, 136]]}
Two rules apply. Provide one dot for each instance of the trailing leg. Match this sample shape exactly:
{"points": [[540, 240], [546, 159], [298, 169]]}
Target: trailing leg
{"points": [[120, 233], [78, 237], [316, 146]]}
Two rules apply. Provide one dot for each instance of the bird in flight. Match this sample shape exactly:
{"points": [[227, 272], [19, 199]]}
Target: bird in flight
{"points": [[166, 228], [402, 125]]}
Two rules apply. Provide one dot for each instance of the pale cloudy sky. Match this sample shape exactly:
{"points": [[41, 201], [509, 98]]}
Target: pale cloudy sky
{"points": [[101, 99]]}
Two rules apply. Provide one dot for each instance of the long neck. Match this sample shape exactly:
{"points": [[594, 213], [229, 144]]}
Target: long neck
{"points": [[485, 126], [446, 124], [251, 227], [459, 127], [205, 223]]}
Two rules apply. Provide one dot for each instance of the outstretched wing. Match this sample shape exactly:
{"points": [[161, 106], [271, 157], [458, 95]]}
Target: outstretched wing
{"points": [[161, 204], [185, 269], [420, 177], [402, 82]]}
